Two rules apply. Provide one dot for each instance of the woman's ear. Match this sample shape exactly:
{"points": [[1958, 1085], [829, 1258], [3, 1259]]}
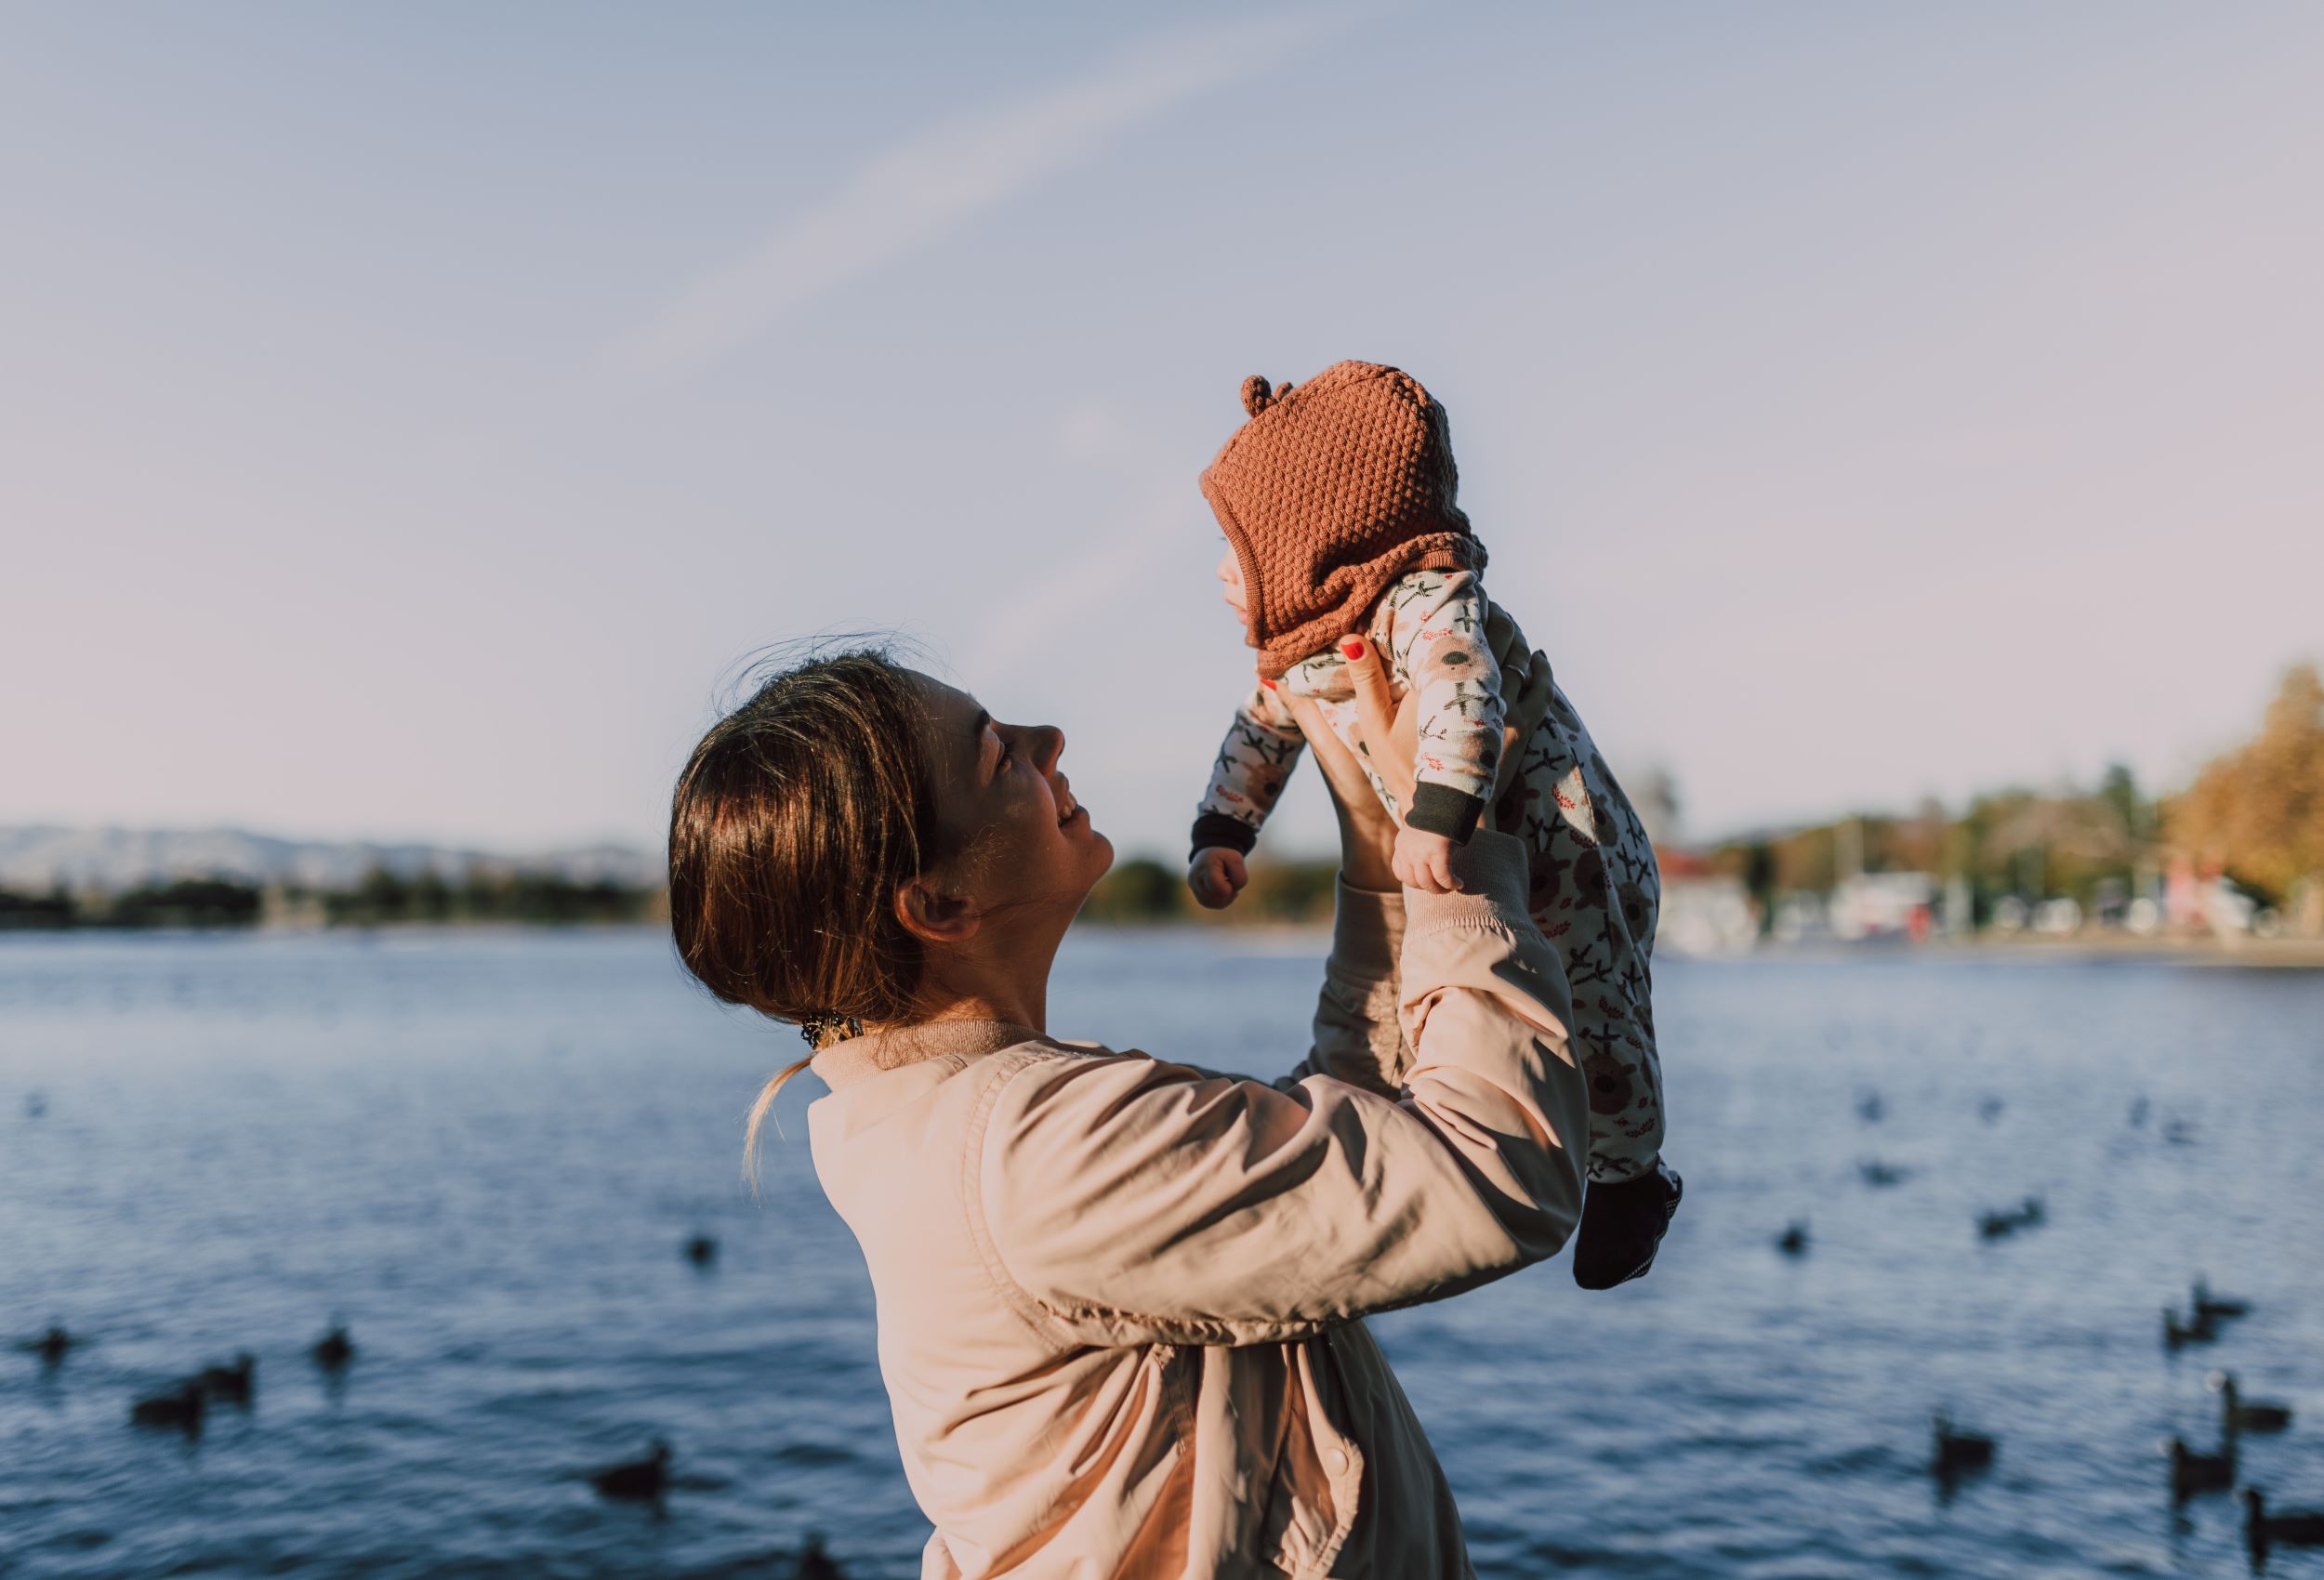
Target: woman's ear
{"points": [[933, 916]]}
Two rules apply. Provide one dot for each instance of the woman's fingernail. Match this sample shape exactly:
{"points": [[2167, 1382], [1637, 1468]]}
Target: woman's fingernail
{"points": [[1269, 684], [1351, 648]]}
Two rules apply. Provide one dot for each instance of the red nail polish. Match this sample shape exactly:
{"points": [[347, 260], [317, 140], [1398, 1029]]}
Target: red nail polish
{"points": [[1352, 648], [1269, 684]]}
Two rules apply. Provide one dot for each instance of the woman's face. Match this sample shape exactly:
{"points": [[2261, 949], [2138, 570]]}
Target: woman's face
{"points": [[1025, 836]]}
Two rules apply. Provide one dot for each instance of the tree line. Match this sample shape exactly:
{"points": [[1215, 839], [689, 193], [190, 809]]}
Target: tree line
{"points": [[2254, 814], [380, 898]]}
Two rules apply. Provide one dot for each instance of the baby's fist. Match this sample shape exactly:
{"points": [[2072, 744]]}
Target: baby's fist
{"points": [[1217, 876], [1423, 861]]}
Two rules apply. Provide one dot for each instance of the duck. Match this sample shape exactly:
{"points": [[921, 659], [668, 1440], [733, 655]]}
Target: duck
{"points": [[2179, 1133], [230, 1385], [702, 1250], [816, 1565], [51, 1347], [2192, 1472], [1879, 1175], [2293, 1527], [1870, 1109], [1999, 1225], [181, 1408], [1957, 1452], [334, 1349], [643, 1479], [1792, 1242], [2177, 1335], [2237, 1414], [1990, 1109], [2206, 1304]]}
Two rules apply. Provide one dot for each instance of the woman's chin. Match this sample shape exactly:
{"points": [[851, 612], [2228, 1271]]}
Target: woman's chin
{"points": [[1097, 851]]}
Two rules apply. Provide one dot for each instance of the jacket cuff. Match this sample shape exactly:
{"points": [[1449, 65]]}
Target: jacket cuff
{"points": [[1440, 809], [1491, 868], [1366, 933], [1213, 830]]}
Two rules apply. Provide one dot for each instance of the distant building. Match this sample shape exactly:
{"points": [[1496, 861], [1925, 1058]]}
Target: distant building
{"points": [[1883, 905], [1704, 912], [2195, 899]]}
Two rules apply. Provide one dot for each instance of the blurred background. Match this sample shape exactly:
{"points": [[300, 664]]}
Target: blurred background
{"points": [[1897, 425]]}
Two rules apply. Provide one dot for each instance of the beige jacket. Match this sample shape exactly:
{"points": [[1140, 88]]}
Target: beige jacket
{"points": [[1121, 1299]]}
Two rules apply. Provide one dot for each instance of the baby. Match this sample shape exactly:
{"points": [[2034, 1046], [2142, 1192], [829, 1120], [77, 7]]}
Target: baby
{"points": [[1336, 499]]}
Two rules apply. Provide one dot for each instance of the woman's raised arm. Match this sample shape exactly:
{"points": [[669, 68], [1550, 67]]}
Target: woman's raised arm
{"points": [[1134, 1200]]}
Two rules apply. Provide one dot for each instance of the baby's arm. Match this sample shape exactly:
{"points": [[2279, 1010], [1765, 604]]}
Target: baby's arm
{"points": [[1261, 749], [1437, 634]]}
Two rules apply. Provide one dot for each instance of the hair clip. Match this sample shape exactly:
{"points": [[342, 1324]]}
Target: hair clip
{"points": [[814, 1024]]}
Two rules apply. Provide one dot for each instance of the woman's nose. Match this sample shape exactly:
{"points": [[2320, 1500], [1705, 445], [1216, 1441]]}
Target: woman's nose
{"points": [[1050, 746]]}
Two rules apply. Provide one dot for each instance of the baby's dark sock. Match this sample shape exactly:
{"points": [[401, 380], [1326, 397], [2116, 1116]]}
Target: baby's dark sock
{"points": [[1622, 1221]]}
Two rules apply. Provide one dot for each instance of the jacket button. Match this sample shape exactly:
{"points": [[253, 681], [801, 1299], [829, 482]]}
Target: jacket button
{"points": [[1338, 1460]]}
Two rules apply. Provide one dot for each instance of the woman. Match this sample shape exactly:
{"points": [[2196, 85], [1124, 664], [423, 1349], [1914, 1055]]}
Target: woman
{"points": [[1119, 1297]]}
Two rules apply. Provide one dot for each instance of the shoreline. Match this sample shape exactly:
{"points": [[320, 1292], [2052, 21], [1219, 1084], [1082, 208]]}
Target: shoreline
{"points": [[2271, 954]]}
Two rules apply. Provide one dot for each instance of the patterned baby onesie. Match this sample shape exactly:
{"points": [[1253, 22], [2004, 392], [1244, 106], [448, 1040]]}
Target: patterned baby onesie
{"points": [[1595, 889]]}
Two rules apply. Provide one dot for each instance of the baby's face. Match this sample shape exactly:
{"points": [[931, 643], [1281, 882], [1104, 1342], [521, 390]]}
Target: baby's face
{"points": [[1231, 585]]}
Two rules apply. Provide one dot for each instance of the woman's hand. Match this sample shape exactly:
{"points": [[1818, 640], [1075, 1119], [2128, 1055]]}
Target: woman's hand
{"points": [[1388, 733], [1367, 834]]}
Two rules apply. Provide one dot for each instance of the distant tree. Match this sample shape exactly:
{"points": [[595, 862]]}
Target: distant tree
{"points": [[1808, 859], [2118, 789], [1289, 892], [190, 902], [1140, 889], [52, 910], [2259, 809], [1759, 877], [431, 897]]}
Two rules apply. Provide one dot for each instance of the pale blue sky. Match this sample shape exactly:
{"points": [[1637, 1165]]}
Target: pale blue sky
{"points": [[410, 412]]}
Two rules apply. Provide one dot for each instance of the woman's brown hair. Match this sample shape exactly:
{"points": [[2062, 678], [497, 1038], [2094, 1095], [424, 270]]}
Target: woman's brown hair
{"points": [[795, 821]]}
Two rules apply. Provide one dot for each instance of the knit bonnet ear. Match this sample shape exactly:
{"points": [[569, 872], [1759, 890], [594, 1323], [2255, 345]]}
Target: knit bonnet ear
{"points": [[1258, 396]]}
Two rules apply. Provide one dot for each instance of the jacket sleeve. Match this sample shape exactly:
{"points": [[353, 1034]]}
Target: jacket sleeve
{"points": [[1261, 749], [1138, 1201], [1437, 636]]}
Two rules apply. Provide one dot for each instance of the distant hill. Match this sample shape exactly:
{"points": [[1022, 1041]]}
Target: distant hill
{"points": [[38, 859]]}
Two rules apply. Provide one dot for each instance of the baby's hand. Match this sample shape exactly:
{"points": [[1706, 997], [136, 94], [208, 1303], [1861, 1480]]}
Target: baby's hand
{"points": [[1423, 861], [1217, 876]]}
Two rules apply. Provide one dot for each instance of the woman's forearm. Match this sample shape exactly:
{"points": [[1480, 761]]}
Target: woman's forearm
{"points": [[1357, 1036]]}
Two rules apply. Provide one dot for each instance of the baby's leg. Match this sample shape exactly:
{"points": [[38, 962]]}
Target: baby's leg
{"points": [[1595, 893]]}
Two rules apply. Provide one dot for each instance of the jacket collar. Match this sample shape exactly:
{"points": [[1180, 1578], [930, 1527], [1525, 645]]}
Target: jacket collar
{"points": [[844, 1063]]}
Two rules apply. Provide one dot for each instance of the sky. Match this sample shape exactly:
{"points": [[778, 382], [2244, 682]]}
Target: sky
{"points": [[413, 419]]}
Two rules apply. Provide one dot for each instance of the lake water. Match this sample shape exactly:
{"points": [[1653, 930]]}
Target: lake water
{"points": [[485, 1150]]}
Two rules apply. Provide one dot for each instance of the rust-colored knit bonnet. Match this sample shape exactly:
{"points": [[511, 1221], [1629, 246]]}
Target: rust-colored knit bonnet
{"points": [[1331, 491]]}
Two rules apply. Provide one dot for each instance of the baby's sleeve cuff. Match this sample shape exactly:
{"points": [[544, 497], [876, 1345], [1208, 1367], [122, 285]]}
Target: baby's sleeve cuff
{"points": [[1440, 809], [1217, 829]]}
